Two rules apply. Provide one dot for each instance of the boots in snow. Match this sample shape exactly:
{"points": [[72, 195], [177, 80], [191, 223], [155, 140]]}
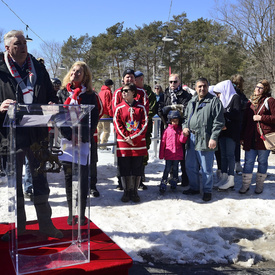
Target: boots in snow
{"points": [[125, 182], [228, 184], [260, 178], [173, 183], [135, 182], [246, 183], [223, 179], [163, 186]]}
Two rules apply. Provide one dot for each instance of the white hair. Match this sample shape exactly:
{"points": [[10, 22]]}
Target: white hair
{"points": [[8, 36]]}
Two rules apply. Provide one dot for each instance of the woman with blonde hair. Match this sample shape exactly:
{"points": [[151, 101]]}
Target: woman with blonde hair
{"points": [[259, 116], [77, 89]]}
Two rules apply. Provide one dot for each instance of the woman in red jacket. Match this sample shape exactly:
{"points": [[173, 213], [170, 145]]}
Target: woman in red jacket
{"points": [[130, 121], [259, 113]]}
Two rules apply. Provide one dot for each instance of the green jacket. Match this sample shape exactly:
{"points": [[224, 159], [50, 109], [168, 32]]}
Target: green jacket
{"points": [[209, 120]]}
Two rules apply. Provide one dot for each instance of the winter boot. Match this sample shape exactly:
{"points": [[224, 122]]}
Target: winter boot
{"points": [[246, 183], [173, 184], [163, 186], [135, 181], [125, 182], [260, 178], [223, 179], [228, 184], [238, 167]]}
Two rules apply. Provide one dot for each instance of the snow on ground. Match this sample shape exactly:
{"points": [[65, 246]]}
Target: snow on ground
{"points": [[175, 228]]}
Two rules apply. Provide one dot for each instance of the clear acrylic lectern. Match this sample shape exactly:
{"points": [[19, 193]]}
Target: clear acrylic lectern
{"points": [[51, 135]]}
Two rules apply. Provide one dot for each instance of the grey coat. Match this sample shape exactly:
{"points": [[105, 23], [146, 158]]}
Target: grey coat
{"points": [[209, 120]]}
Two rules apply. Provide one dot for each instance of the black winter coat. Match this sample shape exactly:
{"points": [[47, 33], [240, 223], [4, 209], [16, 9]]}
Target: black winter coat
{"points": [[43, 93], [232, 115]]}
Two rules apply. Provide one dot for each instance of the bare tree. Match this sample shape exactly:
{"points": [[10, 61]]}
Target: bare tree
{"points": [[253, 22], [2, 40], [52, 57]]}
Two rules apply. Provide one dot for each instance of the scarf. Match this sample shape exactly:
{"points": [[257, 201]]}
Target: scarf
{"points": [[27, 90], [74, 99], [173, 93], [227, 91], [255, 100]]}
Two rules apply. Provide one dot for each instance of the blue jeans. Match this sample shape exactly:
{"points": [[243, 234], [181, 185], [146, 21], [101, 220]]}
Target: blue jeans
{"points": [[196, 160], [262, 159], [175, 168], [227, 147], [27, 181]]}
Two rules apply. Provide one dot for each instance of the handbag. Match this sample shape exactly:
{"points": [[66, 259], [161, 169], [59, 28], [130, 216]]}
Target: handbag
{"points": [[268, 139]]}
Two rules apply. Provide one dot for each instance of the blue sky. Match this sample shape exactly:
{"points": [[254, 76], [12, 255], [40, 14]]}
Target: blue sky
{"points": [[57, 20]]}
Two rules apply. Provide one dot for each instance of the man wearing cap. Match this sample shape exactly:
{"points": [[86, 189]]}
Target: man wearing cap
{"points": [[175, 98], [139, 80], [129, 77], [103, 127]]}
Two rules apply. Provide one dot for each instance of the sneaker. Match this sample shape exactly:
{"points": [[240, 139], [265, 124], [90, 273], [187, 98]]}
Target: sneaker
{"points": [[207, 196], [191, 192]]}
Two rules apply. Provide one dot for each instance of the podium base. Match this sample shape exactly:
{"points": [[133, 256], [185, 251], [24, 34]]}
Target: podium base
{"points": [[106, 256]]}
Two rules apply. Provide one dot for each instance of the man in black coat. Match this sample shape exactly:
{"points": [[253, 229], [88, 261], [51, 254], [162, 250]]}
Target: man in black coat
{"points": [[175, 98], [25, 80]]}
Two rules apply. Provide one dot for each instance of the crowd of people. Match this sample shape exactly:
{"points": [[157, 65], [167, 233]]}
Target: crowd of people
{"points": [[197, 126]]}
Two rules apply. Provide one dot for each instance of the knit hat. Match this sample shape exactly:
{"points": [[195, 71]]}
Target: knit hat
{"points": [[174, 114], [128, 71], [108, 82]]}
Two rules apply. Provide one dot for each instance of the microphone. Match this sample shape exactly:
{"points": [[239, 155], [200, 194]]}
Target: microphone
{"points": [[16, 88]]}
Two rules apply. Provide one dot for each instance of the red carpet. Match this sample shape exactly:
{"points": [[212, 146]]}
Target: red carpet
{"points": [[106, 256]]}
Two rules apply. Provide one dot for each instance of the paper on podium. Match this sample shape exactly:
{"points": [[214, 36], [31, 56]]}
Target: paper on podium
{"points": [[67, 148]]}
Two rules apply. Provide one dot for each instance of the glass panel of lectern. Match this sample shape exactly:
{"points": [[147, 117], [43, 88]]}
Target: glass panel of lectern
{"points": [[49, 229]]}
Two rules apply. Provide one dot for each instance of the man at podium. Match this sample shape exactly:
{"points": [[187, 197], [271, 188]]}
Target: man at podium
{"points": [[25, 80]]}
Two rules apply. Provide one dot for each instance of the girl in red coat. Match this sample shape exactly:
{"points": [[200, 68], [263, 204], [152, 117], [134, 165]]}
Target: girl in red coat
{"points": [[171, 149], [130, 121]]}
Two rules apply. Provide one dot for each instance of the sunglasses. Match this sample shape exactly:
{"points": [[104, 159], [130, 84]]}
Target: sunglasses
{"points": [[125, 90], [260, 88], [175, 81]]}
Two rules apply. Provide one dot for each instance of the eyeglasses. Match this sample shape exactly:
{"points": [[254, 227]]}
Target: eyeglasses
{"points": [[125, 90], [260, 88], [156, 88], [173, 81]]}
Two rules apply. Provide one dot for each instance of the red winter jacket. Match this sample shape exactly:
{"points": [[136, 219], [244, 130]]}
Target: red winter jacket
{"points": [[100, 113], [105, 95], [250, 133], [171, 143], [141, 98], [130, 121]]}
